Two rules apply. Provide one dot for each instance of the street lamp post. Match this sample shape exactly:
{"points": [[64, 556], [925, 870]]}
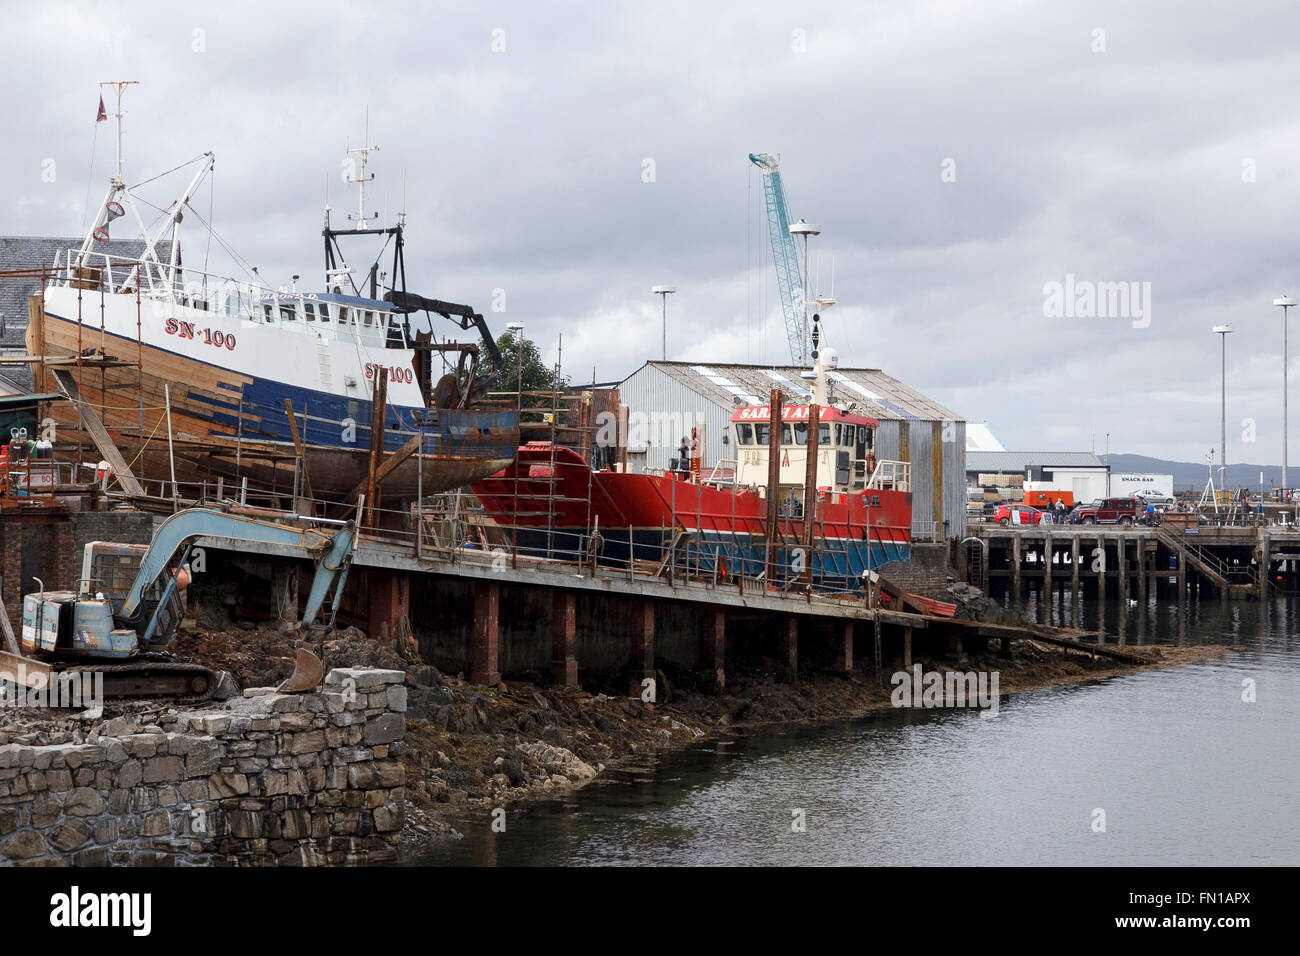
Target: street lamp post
{"points": [[1285, 302], [1223, 331], [805, 229], [664, 291]]}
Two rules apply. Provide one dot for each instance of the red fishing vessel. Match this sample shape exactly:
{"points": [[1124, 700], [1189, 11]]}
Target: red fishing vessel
{"points": [[555, 505]]}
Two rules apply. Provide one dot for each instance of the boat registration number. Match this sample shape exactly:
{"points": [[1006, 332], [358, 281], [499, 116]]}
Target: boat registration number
{"points": [[188, 330], [395, 374]]}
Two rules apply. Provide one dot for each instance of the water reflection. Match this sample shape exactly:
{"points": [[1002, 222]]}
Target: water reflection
{"points": [[1184, 770]]}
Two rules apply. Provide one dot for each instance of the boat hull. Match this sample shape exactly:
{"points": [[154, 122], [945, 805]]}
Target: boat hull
{"points": [[226, 423], [555, 506]]}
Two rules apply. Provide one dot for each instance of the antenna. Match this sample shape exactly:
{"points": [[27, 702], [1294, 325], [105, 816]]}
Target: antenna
{"points": [[361, 219], [120, 86]]}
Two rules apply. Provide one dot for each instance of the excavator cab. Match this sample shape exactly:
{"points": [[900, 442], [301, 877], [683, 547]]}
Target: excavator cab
{"points": [[109, 570]]}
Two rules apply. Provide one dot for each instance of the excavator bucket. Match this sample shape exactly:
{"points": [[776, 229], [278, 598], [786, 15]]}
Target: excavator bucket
{"points": [[307, 673]]}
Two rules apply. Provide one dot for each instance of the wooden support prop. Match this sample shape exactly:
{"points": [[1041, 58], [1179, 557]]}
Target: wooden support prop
{"points": [[388, 466], [11, 642], [810, 480], [297, 445], [773, 483], [91, 424], [378, 416]]}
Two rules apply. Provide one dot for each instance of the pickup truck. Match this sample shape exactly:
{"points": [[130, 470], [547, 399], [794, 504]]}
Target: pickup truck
{"points": [[1122, 511]]}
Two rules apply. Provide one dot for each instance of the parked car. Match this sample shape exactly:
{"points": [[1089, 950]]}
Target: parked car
{"points": [[1105, 511], [1028, 515], [1154, 497]]}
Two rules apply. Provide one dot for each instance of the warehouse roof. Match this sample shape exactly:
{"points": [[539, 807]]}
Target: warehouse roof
{"points": [[1018, 461], [979, 437], [876, 394]]}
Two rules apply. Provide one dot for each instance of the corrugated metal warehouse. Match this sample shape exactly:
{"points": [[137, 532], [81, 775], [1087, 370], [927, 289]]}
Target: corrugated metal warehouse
{"points": [[665, 399]]}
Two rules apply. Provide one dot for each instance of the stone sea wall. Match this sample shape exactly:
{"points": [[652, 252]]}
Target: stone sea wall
{"points": [[263, 779]]}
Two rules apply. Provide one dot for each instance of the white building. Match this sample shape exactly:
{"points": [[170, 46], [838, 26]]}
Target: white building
{"points": [[1079, 472], [665, 400]]}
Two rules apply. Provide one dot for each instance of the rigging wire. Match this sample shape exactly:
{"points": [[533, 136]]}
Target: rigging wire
{"points": [[208, 250], [90, 177], [239, 260], [168, 172]]}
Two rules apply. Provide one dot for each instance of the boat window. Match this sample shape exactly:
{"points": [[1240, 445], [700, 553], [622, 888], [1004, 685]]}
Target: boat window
{"points": [[744, 434], [839, 433], [800, 433], [785, 434], [287, 312], [268, 312], [763, 433], [824, 435], [324, 311], [367, 318], [345, 315], [309, 311]]}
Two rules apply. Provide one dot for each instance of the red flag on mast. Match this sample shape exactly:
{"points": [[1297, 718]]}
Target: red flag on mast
{"points": [[102, 115]]}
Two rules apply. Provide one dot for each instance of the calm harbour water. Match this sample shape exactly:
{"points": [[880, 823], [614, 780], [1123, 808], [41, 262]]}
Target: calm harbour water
{"points": [[1186, 772]]}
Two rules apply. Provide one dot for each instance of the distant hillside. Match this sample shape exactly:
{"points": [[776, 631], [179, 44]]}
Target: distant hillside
{"points": [[1192, 476]]}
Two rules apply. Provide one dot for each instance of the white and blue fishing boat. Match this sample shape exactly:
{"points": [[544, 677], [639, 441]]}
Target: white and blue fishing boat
{"points": [[253, 381]]}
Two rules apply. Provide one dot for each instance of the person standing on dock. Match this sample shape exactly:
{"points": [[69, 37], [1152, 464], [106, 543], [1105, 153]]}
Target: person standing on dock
{"points": [[1060, 511]]}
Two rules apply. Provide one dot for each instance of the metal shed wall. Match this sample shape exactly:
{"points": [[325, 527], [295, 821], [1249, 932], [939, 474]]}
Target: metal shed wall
{"points": [[672, 408], [651, 392]]}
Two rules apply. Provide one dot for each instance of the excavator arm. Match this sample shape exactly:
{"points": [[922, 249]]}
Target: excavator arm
{"points": [[332, 553]]}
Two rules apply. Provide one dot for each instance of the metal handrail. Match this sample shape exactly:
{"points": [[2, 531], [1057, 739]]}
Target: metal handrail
{"points": [[923, 530], [896, 475]]}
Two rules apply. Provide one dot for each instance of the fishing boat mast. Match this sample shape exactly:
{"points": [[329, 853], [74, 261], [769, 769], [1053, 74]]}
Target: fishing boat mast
{"points": [[119, 200]]}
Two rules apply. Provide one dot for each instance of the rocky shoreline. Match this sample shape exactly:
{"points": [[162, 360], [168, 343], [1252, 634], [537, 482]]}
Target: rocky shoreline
{"points": [[471, 749]]}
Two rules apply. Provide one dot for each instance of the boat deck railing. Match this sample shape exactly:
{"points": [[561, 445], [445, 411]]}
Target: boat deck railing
{"points": [[890, 475], [252, 302]]}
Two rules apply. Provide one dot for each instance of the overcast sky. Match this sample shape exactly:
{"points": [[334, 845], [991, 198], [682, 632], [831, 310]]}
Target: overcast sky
{"points": [[958, 157]]}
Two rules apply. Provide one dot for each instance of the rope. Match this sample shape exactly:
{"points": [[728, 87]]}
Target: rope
{"points": [[132, 462]]}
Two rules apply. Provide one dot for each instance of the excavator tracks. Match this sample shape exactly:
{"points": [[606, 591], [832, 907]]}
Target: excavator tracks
{"points": [[151, 676]]}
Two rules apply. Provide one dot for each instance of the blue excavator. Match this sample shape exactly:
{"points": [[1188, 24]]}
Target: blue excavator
{"points": [[130, 603]]}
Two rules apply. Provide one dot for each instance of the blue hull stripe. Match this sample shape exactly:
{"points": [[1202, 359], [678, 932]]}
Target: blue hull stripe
{"points": [[336, 421], [744, 553]]}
